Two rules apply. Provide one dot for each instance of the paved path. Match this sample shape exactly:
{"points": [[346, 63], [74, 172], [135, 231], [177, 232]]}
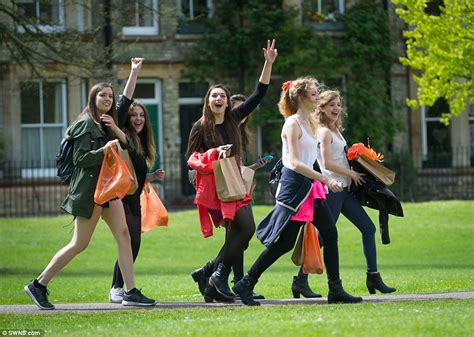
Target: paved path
{"points": [[88, 307]]}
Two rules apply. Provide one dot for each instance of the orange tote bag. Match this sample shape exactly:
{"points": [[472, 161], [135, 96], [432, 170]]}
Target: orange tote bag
{"points": [[312, 261], [115, 179], [153, 211]]}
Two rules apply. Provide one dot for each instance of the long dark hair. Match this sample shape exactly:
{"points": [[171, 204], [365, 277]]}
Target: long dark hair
{"points": [[207, 135], [144, 142], [244, 131], [91, 108]]}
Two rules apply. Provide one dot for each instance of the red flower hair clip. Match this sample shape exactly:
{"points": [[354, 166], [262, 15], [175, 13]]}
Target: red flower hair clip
{"points": [[286, 85]]}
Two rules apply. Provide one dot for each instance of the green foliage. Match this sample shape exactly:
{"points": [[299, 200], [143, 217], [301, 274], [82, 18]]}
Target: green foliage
{"points": [[441, 48], [231, 52], [366, 52]]}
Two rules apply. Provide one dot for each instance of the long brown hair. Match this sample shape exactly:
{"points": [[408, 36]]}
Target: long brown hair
{"points": [[207, 135], [324, 98], [288, 104], [91, 108], [149, 148], [244, 131]]}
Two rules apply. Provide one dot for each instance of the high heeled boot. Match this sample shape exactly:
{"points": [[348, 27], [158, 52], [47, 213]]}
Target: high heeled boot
{"points": [[374, 281], [201, 275], [300, 286], [337, 294], [244, 289], [220, 281]]}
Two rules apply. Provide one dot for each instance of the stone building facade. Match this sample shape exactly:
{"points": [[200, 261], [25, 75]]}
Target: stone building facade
{"points": [[35, 111]]}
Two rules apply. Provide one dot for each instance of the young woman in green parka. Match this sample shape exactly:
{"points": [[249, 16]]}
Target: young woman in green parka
{"points": [[90, 136]]}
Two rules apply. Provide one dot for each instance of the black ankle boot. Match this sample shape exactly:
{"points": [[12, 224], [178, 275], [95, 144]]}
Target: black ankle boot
{"points": [[211, 294], [374, 281], [337, 294], [244, 288], [300, 286], [220, 281], [201, 275], [254, 294]]}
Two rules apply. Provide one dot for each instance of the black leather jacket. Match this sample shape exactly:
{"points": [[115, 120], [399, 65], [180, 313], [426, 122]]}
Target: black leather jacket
{"points": [[376, 195]]}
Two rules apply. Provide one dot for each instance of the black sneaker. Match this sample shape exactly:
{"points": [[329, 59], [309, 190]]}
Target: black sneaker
{"points": [[39, 296], [136, 298]]}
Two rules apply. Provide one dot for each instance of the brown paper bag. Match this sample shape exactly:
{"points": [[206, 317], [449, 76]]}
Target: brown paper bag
{"points": [[126, 157], [229, 183], [247, 176], [298, 253], [380, 172]]}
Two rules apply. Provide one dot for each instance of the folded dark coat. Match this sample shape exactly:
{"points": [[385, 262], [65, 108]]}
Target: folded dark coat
{"points": [[376, 195], [292, 191]]}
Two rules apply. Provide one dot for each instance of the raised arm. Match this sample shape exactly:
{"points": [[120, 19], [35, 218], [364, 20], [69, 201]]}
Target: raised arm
{"points": [[129, 89], [126, 99], [270, 53], [243, 110]]}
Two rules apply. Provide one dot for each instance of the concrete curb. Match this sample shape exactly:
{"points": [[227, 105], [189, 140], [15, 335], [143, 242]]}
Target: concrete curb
{"points": [[98, 307]]}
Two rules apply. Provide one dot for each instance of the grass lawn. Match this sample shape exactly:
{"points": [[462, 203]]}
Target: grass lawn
{"points": [[431, 251]]}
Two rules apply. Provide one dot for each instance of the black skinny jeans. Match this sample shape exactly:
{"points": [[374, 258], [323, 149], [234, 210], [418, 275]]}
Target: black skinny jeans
{"points": [[237, 238], [326, 226], [134, 224]]}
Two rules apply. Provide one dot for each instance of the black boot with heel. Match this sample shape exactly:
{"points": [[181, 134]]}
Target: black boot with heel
{"points": [[337, 294], [244, 289], [300, 286], [201, 275], [219, 280], [254, 294], [374, 281]]}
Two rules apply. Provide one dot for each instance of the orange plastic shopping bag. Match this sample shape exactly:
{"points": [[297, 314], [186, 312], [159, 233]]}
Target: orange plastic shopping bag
{"points": [[312, 261], [153, 211], [115, 179]]}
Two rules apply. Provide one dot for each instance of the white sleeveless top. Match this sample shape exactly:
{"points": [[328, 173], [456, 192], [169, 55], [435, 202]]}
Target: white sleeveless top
{"points": [[307, 147], [338, 157]]}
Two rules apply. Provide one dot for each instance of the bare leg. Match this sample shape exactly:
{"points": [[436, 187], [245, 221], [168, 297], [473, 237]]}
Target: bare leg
{"points": [[114, 216], [83, 230]]}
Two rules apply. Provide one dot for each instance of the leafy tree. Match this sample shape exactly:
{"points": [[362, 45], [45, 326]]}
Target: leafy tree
{"points": [[441, 48], [365, 50], [39, 50], [230, 52]]}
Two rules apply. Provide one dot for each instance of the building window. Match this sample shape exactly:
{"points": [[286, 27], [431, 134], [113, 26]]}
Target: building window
{"points": [[193, 14], [48, 16], [140, 17], [43, 122], [436, 137], [324, 10], [193, 9]]}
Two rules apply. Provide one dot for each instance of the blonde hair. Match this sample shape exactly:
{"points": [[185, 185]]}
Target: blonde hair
{"points": [[324, 99], [291, 90]]}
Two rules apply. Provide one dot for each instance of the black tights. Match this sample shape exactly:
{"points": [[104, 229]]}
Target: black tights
{"points": [[326, 226], [135, 229], [237, 238]]}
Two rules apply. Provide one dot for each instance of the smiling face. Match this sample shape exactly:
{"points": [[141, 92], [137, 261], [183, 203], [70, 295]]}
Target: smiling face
{"points": [[218, 101], [332, 110], [137, 118], [104, 100]]}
